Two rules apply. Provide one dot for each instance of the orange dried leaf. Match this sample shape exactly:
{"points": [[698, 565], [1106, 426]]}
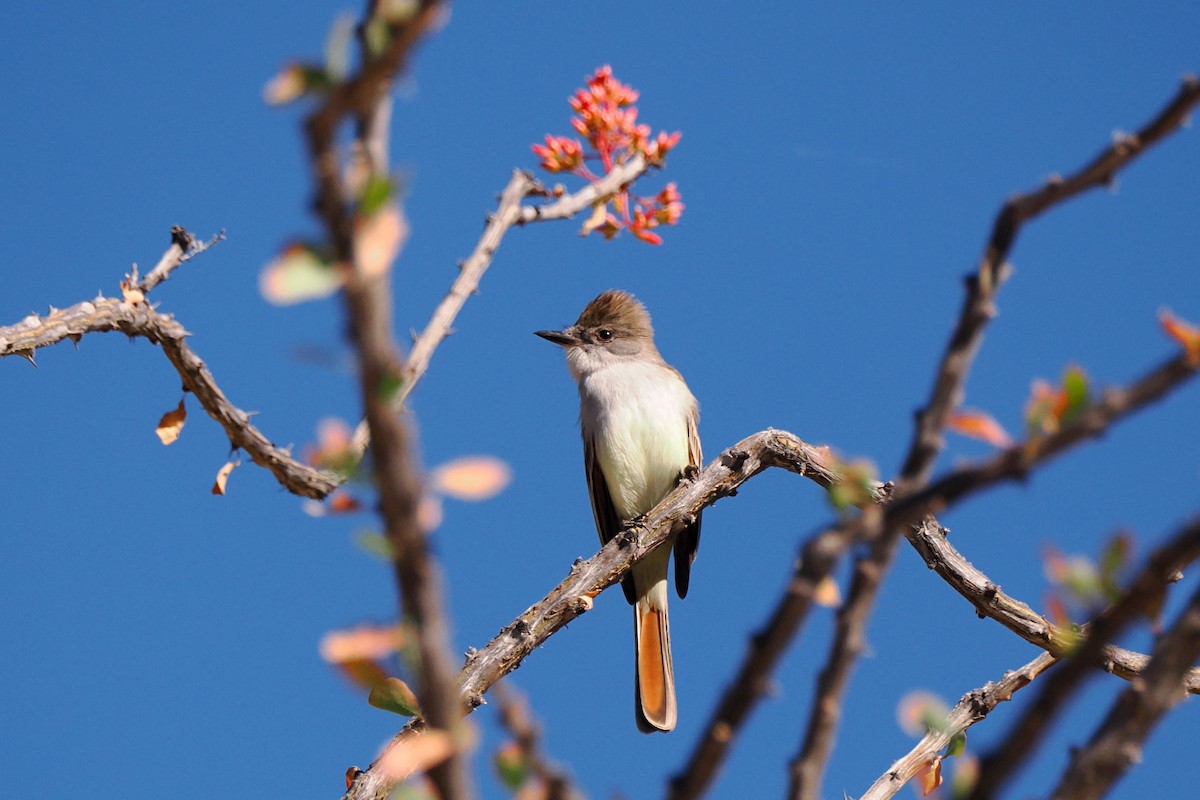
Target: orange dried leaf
{"points": [[1183, 332], [930, 777], [827, 593], [378, 239], [363, 642], [979, 425], [223, 475], [415, 753], [343, 503], [363, 672], [171, 424], [471, 477]]}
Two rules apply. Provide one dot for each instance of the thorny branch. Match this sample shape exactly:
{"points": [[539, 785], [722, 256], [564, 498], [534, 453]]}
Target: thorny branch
{"points": [[509, 212], [139, 318], [870, 570], [573, 596], [1144, 593], [736, 702], [1117, 743], [973, 707]]}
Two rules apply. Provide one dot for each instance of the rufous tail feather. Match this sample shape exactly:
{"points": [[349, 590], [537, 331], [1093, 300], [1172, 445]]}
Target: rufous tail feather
{"points": [[654, 687]]}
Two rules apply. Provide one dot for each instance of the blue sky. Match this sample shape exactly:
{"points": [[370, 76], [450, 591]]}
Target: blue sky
{"points": [[841, 166]]}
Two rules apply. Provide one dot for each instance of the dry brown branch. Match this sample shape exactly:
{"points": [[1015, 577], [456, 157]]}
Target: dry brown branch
{"points": [[184, 247], [509, 212], [1117, 743], [978, 307], [971, 708], [808, 766], [1145, 592], [1015, 463], [744, 691], [517, 719], [573, 596], [363, 99], [105, 314], [989, 600]]}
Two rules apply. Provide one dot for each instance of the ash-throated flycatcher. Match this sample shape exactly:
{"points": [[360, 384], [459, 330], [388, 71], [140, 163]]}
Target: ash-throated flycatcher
{"points": [[638, 420]]}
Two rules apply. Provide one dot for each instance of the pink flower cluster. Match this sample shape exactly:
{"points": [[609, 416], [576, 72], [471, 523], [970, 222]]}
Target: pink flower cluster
{"points": [[606, 116]]}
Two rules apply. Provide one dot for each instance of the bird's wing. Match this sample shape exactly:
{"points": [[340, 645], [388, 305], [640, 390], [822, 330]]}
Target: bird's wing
{"points": [[688, 540]]}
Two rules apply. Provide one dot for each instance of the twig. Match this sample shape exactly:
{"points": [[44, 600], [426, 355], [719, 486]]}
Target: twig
{"points": [[184, 247], [744, 691], [573, 596], [104, 315], [1117, 743], [1146, 591], [509, 212], [808, 766], [978, 307], [990, 600], [516, 717], [1016, 462], [972, 708], [470, 273]]}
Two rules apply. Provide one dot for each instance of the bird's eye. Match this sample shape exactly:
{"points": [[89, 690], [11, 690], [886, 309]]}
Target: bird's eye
{"points": [[604, 334]]}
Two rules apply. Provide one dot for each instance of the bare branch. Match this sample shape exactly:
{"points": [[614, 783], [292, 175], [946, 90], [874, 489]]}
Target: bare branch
{"points": [[745, 690], [1016, 462], [104, 315], [573, 596], [971, 708], [807, 768], [978, 308], [989, 600], [469, 275], [1145, 592], [1117, 743], [508, 213], [184, 247]]}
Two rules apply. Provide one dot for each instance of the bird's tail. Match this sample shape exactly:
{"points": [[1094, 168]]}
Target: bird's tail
{"points": [[654, 687]]}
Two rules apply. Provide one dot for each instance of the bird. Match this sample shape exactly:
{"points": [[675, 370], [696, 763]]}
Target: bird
{"points": [[639, 423]]}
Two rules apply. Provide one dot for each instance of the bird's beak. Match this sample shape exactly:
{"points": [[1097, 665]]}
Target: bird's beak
{"points": [[564, 337]]}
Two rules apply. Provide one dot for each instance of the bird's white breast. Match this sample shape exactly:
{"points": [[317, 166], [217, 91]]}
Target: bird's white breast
{"points": [[636, 413]]}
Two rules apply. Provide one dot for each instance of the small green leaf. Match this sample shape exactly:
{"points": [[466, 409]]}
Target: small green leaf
{"points": [[376, 194], [1075, 385], [512, 764], [1112, 561], [394, 695], [376, 544], [957, 744], [390, 385]]}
